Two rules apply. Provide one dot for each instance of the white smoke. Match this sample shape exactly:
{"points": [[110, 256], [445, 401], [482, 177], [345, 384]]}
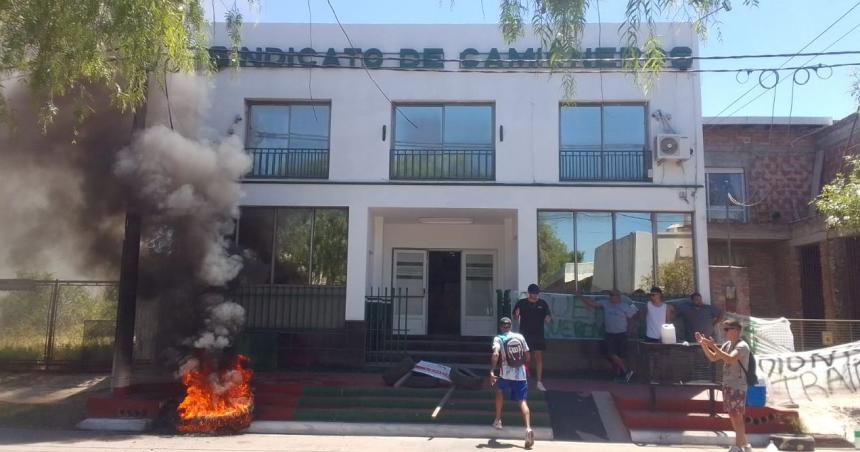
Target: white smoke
{"points": [[224, 320]]}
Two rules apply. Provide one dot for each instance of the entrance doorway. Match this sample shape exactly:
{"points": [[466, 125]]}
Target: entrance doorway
{"points": [[811, 287], [443, 292]]}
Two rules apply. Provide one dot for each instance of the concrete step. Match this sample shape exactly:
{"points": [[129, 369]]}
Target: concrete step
{"points": [[660, 420], [512, 431], [536, 406], [403, 415]]}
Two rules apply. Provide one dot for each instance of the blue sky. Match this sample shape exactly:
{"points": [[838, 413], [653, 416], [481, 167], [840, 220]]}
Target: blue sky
{"points": [[776, 26]]}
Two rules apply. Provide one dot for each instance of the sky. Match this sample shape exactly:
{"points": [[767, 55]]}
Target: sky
{"points": [[775, 26]]}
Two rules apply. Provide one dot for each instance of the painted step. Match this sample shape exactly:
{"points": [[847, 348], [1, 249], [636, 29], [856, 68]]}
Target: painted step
{"points": [[658, 420], [405, 403], [416, 346], [386, 391], [470, 417]]}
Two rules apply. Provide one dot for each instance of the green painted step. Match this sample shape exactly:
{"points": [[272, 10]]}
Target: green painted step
{"points": [[412, 403], [412, 393], [483, 417]]}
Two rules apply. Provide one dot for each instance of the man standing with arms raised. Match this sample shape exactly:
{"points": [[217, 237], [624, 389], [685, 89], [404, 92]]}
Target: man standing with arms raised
{"points": [[533, 312]]}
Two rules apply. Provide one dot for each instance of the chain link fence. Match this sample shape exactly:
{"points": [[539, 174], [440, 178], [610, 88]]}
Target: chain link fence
{"points": [[57, 325]]}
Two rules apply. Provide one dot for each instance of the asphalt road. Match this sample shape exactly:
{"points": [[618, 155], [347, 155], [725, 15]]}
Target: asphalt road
{"points": [[61, 440]]}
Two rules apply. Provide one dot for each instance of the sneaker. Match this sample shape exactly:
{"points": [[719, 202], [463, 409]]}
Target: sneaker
{"points": [[748, 448], [530, 438], [735, 449], [497, 424], [540, 386], [628, 376]]}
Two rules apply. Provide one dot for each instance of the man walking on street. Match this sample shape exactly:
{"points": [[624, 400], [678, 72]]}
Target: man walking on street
{"points": [[533, 312], [511, 354]]}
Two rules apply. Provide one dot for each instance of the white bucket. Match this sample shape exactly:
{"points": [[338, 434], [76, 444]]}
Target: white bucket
{"points": [[667, 334]]}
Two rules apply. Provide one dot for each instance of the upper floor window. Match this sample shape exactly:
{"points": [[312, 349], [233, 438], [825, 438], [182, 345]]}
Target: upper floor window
{"points": [[288, 140], [726, 194], [443, 142], [603, 143]]}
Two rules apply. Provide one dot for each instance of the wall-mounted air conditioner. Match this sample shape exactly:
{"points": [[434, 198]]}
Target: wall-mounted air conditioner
{"points": [[669, 146]]}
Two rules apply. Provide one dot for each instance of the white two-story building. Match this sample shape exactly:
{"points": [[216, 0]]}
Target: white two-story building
{"points": [[440, 160]]}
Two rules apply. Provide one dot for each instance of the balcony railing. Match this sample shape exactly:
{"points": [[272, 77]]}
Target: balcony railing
{"points": [[604, 165], [439, 164], [283, 163]]}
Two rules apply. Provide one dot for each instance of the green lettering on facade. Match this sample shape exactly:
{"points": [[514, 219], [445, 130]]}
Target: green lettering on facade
{"points": [[274, 57], [353, 54], [433, 58], [465, 61], [409, 58], [494, 60], [331, 59], [682, 52], [373, 58], [306, 56], [605, 53]]}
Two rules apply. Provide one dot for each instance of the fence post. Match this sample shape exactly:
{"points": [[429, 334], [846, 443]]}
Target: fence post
{"points": [[52, 324]]}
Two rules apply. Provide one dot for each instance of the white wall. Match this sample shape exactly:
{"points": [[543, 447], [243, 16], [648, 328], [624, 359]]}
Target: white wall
{"points": [[526, 104]]}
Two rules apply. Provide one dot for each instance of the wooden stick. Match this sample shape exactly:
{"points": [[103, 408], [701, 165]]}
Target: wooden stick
{"points": [[402, 379], [443, 402]]}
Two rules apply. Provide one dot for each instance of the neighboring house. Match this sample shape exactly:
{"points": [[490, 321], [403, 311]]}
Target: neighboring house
{"points": [[783, 261], [458, 170]]}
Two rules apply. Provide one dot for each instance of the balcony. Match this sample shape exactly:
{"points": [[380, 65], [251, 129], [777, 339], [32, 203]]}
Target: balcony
{"points": [[443, 164], [283, 163], [592, 164]]}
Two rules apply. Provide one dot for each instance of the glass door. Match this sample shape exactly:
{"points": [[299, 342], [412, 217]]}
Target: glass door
{"points": [[410, 277], [479, 293]]}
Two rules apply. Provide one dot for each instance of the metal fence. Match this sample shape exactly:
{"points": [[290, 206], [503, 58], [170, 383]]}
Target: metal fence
{"points": [[282, 163], [604, 165], [385, 313], [810, 334], [439, 164], [57, 324], [281, 307]]}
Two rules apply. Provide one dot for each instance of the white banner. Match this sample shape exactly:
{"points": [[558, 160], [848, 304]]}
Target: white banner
{"points": [[826, 372], [434, 370]]}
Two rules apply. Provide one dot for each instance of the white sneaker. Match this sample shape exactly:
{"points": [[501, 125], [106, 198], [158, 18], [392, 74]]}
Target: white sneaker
{"points": [[735, 449], [748, 448], [497, 424], [530, 438], [540, 386]]}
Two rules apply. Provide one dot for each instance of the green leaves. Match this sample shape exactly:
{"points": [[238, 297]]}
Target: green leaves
{"points": [[64, 48], [839, 200]]}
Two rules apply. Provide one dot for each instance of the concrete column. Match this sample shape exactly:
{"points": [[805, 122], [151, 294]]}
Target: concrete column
{"points": [[356, 262], [526, 258], [377, 258]]}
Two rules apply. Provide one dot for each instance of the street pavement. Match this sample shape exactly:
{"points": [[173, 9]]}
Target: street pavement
{"points": [[60, 440]]}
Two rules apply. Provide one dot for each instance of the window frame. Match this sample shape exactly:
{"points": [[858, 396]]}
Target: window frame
{"points": [[646, 148], [745, 216]]}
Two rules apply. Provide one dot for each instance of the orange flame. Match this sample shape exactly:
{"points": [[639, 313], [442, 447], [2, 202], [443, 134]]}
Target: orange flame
{"points": [[217, 400]]}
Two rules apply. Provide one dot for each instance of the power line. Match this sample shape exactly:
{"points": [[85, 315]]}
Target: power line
{"points": [[379, 88], [793, 56], [806, 62]]}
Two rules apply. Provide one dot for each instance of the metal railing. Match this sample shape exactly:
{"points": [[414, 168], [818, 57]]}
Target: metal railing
{"points": [[57, 324], [439, 164], [282, 307], [385, 313], [810, 334], [604, 165], [284, 163]]}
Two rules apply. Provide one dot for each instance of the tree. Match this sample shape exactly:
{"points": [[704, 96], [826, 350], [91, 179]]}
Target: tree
{"points": [[676, 278], [559, 24], [63, 49], [839, 200], [552, 255]]}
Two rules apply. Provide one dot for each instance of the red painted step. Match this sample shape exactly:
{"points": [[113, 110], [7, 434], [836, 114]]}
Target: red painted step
{"points": [[653, 420]]}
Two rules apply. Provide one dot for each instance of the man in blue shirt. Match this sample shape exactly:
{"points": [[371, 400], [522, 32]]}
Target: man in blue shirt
{"points": [[616, 322]]}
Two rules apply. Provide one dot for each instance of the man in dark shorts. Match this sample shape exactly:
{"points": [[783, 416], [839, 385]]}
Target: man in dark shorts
{"points": [[616, 322], [533, 312]]}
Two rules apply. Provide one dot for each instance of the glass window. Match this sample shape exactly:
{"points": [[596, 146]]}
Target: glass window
{"points": [[634, 251], [299, 126], [331, 227], [603, 142], [556, 256], [293, 245], [418, 127], [675, 270], [594, 239], [256, 238], [721, 183], [597, 251]]}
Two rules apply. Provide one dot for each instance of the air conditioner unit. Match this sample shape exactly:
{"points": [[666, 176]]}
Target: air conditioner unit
{"points": [[672, 147]]}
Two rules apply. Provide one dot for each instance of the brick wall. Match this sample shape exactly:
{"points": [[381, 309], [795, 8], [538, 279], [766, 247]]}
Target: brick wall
{"points": [[723, 276], [834, 142], [778, 165], [787, 271]]}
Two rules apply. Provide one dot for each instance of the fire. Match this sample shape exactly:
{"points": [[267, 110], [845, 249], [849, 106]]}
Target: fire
{"points": [[216, 400]]}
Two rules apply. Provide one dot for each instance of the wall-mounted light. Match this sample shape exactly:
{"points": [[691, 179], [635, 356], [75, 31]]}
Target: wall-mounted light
{"points": [[383, 132], [501, 133]]}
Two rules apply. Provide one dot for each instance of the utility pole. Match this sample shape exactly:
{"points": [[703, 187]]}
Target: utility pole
{"points": [[123, 347]]}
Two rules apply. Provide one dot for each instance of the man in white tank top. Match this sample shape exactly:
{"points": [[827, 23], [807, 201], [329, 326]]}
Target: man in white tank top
{"points": [[658, 314]]}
